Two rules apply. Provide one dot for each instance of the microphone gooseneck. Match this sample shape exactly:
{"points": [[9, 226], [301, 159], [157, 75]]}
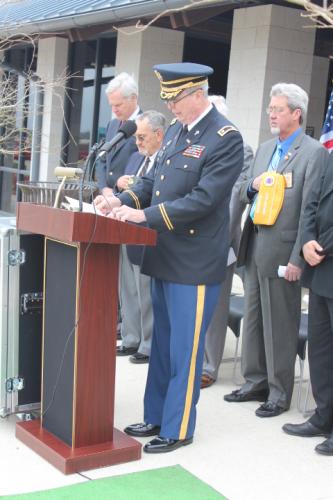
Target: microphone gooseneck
{"points": [[124, 132]]}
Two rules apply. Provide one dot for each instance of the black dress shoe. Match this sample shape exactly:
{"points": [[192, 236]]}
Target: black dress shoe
{"points": [[240, 397], [269, 409], [304, 430], [142, 430], [125, 351], [325, 448], [139, 358], [164, 445]]}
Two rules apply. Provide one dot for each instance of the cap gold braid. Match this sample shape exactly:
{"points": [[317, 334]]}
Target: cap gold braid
{"points": [[169, 92]]}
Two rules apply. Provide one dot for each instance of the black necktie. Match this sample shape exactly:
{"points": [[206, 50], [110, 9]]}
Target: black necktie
{"points": [[144, 169], [182, 135]]}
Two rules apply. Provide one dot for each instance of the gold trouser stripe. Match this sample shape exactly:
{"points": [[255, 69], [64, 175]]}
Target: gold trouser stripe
{"points": [[135, 198], [190, 383], [165, 216]]}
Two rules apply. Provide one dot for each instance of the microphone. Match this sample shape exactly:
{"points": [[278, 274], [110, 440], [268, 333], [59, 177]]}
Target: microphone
{"points": [[97, 146], [124, 132], [69, 172]]}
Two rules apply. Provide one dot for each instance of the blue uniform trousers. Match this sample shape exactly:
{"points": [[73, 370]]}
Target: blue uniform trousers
{"points": [[182, 314]]}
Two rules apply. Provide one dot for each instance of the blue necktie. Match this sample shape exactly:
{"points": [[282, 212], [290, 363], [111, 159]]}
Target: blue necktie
{"points": [[273, 165], [275, 159]]}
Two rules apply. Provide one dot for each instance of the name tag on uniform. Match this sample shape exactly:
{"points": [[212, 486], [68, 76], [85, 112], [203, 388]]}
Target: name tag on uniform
{"points": [[289, 179], [194, 151]]}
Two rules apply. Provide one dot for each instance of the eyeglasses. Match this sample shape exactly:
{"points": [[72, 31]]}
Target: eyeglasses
{"points": [[140, 137], [277, 110], [171, 102]]}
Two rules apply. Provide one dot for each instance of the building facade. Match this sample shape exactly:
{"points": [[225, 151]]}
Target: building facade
{"points": [[250, 45]]}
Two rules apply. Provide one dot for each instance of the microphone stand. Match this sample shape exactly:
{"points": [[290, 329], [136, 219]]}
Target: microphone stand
{"points": [[91, 154]]}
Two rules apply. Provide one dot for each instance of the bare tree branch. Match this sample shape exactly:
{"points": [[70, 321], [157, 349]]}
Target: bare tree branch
{"points": [[322, 17], [14, 99], [142, 27]]}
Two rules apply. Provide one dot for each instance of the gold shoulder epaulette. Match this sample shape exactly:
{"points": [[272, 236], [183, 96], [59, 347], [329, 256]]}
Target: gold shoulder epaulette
{"points": [[173, 121], [225, 130]]}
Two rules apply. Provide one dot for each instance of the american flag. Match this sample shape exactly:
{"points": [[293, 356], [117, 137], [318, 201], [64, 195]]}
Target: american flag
{"points": [[326, 137]]}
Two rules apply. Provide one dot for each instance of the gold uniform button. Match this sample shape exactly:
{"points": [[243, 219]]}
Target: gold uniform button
{"points": [[157, 193], [162, 177], [168, 162], [192, 231]]}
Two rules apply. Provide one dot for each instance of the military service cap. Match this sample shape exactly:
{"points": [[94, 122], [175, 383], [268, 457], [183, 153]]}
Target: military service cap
{"points": [[176, 77]]}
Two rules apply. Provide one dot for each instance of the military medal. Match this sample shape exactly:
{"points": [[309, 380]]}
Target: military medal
{"points": [[194, 151]]}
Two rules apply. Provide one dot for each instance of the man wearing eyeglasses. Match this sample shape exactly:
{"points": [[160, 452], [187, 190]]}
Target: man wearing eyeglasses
{"points": [[273, 303], [134, 290], [187, 202]]}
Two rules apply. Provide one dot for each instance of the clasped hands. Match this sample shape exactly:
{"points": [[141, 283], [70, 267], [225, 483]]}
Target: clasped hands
{"points": [[111, 206]]}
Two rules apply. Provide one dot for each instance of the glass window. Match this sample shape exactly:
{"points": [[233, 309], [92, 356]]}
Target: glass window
{"points": [[17, 126], [95, 61]]}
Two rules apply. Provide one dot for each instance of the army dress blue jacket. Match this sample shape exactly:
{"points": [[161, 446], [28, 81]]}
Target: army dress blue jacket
{"points": [[186, 200]]}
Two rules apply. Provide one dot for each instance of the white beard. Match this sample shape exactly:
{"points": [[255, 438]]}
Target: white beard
{"points": [[275, 130]]}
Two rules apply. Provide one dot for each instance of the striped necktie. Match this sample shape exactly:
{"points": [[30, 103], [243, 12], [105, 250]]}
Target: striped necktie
{"points": [[145, 166]]}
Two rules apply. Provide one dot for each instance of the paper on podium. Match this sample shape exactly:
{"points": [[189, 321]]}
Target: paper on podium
{"points": [[73, 204]]}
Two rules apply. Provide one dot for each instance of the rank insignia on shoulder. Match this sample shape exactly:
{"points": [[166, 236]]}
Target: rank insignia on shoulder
{"points": [[173, 121], [225, 130], [194, 151]]}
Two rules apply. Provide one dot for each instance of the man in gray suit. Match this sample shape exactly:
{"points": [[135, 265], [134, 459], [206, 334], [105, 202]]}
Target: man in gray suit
{"points": [[216, 333], [273, 303], [134, 290]]}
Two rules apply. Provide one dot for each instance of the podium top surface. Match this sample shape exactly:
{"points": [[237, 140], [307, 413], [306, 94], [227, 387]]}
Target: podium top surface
{"points": [[72, 227]]}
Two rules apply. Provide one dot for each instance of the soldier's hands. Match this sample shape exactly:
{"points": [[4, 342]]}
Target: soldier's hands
{"points": [[256, 182], [125, 213], [293, 273], [310, 252], [107, 191], [122, 182], [106, 203]]}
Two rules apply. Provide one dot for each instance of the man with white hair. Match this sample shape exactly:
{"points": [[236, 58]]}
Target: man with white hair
{"points": [[273, 303], [122, 94]]}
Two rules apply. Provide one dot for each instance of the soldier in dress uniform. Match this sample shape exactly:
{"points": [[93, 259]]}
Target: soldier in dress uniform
{"points": [[187, 202]]}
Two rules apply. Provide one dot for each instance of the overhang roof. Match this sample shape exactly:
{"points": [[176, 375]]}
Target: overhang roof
{"points": [[33, 16]]}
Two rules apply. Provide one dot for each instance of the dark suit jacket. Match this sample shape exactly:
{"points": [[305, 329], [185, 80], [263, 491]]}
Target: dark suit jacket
{"points": [[317, 224], [112, 166], [187, 201]]}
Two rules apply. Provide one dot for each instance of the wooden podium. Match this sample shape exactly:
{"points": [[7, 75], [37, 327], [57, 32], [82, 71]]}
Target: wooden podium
{"points": [[75, 431]]}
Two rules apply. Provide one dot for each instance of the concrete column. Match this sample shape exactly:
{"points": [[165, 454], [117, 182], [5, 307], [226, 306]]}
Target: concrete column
{"points": [[137, 54], [269, 45], [317, 110], [52, 64]]}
